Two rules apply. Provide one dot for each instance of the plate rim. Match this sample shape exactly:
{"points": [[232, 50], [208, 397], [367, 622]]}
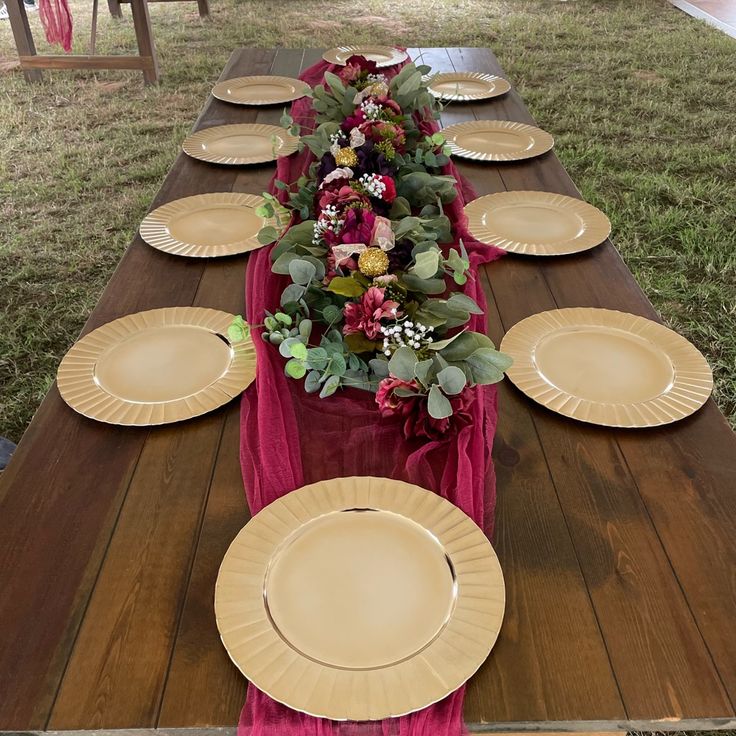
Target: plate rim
{"points": [[80, 390], [504, 86], [599, 225], [331, 55], [691, 386], [475, 563], [218, 93], [154, 227], [543, 141], [192, 143]]}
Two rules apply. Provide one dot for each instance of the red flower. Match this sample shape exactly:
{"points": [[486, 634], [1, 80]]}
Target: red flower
{"points": [[358, 226], [365, 65], [389, 194], [353, 121], [365, 316], [413, 409], [340, 195], [388, 104]]}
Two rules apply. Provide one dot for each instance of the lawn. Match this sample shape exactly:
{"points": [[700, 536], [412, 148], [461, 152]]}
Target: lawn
{"points": [[640, 98]]}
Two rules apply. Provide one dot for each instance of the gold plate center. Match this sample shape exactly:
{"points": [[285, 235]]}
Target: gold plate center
{"points": [[215, 225], [603, 364], [537, 223], [242, 144], [493, 141], [462, 86], [163, 364], [360, 589], [261, 90]]}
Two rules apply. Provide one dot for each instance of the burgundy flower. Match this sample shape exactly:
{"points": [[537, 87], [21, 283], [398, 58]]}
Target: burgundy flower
{"points": [[365, 65], [349, 73], [413, 410], [358, 226], [365, 316], [353, 121], [388, 104], [340, 195]]}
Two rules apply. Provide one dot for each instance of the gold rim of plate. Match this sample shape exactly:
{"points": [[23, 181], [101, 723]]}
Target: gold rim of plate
{"points": [[607, 367], [383, 55], [156, 227], [268, 624], [584, 225], [217, 376], [532, 141], [207, 144], [486, 86], [282, 89]]}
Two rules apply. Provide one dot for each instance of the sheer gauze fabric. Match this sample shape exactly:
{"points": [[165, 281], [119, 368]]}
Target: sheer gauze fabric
{"points": [[56, 19], [290, 438]]}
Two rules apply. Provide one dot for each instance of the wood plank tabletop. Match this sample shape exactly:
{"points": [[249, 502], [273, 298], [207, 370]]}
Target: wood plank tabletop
{"points": [[617, 546]]}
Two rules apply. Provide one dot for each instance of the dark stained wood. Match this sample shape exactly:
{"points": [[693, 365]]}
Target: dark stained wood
{"points": [[617, 547]]}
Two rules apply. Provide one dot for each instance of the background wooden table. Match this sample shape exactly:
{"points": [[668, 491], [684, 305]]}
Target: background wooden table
{"points": [[617, 546]]}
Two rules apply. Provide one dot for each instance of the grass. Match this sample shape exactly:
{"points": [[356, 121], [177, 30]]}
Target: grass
{"points": [[638, 95]]}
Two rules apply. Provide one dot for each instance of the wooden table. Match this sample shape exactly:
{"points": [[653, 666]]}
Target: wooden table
{"points": [[32, 63], [617, 546]]}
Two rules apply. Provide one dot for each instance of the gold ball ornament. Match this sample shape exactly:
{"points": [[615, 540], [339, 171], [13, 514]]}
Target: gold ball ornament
{"points": [[346, 157], [379, 89], [373, 262]]}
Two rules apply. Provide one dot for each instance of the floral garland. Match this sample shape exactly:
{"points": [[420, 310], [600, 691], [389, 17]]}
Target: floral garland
{"points": [[373, 301]]}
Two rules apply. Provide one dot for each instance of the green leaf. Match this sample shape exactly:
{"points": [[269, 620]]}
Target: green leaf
{"points": [[301, 271], [464, 302], [426, 264], [311, 382], [281, 264], [295, 369], [437, 404], [285, 346], [317, 358], [292, 293], [267, 235], [331, 385], [452, 380], [425, 286], [488, 365], [285, 319], [359, 343], [441, 344], [238, 330], [305, 328], [298, 350], [423, 371], [402, 362], [332, 314], [345, 286], [379, 367], [465, 344]]}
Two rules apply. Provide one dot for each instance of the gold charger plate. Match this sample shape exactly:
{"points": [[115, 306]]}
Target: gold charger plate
{"points": [[382, 55], [497, 140], [206, 225], [466, 86], [156, 367], [537, 223], [260, 90], [607, 367], [243, 143], [359, 599]]}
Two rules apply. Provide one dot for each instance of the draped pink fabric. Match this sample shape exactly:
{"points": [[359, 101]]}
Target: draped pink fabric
{"points": [[290, 438], [56, 19]]}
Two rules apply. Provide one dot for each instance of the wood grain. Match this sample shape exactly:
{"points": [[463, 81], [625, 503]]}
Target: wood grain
{"points": [[617, 547]]}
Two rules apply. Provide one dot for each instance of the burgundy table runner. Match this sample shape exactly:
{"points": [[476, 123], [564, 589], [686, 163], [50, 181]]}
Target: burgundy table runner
{"points": [[290, 438]]}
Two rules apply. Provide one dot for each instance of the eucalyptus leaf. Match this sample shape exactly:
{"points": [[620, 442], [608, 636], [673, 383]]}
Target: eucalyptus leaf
{"points": [[302, 271], [330, 386], [379, 367], [402, 362], [295, 369], [465, 344], [437, 404], [452, 380], [423, 371], [311, 382], [464, 302], [426, 286], [281, 264], [292, 293], [345, 286], [426, 264], [267, 235], [298, 350], [285, 346], [332, 314], [488, 365], [238, 330]]}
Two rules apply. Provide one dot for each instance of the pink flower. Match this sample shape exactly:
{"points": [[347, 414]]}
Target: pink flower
{"points": [[389, 194], [340, 195], [365, 316], [413, 410]]}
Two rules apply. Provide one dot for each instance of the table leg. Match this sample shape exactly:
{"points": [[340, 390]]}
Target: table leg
{"points": [[114, 8], [23, 37], [204, 8], [142, 24]]}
